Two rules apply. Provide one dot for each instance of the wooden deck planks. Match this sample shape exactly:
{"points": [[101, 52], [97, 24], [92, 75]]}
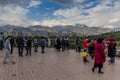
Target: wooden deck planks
{"points": [[53, 65]]}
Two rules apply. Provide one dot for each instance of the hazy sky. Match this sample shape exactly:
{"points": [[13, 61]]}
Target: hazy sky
{"points": [[104, 13]]}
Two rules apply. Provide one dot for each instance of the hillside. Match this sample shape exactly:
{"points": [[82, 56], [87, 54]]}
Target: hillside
{"points": [[69, 29], [116, 35]]}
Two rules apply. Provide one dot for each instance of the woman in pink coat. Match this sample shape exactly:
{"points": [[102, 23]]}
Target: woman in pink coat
{"points": [[99, 56]]}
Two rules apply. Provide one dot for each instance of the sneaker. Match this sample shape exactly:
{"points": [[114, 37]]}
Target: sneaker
{"points": [[5, 62], [13, 62], [93, 69], [100, 72], [87, 61], [21, 56]]}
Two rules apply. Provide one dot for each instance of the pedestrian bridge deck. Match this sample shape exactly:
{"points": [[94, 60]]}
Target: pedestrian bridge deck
{"points": [[55, 65]]}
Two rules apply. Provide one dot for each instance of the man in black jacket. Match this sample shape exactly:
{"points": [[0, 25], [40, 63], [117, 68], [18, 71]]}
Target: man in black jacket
{"points": [[12, 44], [20, 44], [29, 45]]}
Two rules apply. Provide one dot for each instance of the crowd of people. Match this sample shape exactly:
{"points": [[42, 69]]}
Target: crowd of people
{"points": [[21, 43], [62, 43], [96, 49]]}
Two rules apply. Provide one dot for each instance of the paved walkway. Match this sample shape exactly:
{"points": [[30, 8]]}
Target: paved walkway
{"points": [[55, 65]]}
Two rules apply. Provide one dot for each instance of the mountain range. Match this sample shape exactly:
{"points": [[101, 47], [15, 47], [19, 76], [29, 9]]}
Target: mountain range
{"points": [[68, 29]]}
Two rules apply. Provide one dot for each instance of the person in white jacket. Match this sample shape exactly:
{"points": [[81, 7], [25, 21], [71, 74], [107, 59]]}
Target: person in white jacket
{"points": [[7, 46]]}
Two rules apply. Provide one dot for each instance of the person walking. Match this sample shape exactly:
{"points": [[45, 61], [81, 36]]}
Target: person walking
{"points": [[7, 46], [29, 45], [20, 44], [111, 50], [42, 44], [99, 56]]}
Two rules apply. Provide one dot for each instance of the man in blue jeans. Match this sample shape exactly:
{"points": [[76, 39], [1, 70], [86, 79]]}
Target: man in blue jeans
{"points": [[42, 44]]}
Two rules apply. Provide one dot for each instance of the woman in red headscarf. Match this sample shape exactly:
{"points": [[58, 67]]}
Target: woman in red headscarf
{"points": [[99, 55], [111, 50]]}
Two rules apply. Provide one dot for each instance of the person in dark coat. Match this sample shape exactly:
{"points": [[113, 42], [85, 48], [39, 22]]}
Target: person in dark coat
{"points": [[20, 44], [78, 44], [1, 43], [58, 44], [91, 48], [42, 44], [99, 56], [29, 46], [111, 50], [12, 44]]}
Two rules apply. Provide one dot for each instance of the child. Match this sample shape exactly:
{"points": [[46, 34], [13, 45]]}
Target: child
{"points": [[85, 54]]}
